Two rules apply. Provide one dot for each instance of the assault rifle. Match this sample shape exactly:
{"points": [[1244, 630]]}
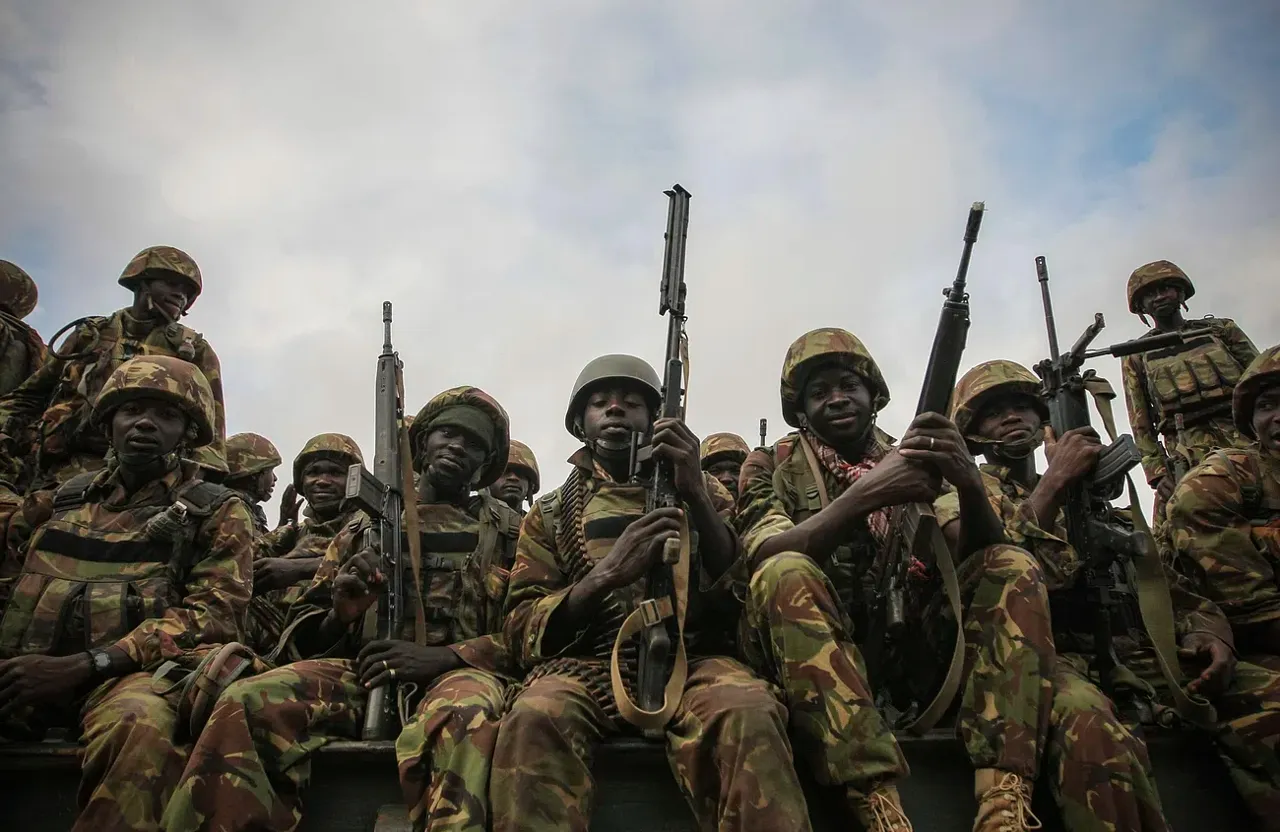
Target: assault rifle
{"points": [[913, 527], [1092, 531], [380, 496]]}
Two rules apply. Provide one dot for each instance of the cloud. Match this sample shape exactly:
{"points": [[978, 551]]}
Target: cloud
{"points": [[498, 171]]}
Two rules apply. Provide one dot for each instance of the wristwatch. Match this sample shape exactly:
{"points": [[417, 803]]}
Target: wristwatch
{"points": [[101, 661]]}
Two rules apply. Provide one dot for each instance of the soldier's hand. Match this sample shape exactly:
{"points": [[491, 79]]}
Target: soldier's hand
{"points": [[637, 549], [354, 590], [676, 444], [897, 480], [289, 503], [274, 573], [1072, 456], [933, 439], [27, 680], [388, 660], [1216, 677], [1164, 488]]}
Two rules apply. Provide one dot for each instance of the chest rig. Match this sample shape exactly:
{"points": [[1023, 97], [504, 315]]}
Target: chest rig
{"points": [[1197, 376]]}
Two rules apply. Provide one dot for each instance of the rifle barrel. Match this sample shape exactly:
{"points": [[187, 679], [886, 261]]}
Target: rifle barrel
{"points": [[1042, 274]]}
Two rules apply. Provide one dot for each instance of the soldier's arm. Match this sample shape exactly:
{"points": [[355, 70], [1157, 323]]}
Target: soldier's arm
{"points": [[1141, 419], [218, 586], [28, 400], [763, 513], [1237, 343], [207, 360], [538, 588], [316, 628]]}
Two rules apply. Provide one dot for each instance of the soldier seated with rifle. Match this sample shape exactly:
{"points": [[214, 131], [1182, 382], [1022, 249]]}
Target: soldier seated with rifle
{"points": [[251, 472], [722, 455], [579, 578], [447, 671], [519, 482], [133, 565]]}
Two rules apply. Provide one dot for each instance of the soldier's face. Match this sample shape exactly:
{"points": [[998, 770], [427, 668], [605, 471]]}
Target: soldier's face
{"points": [[144, 430], [837, 403], [267, 484], [1162, 298], [324, 483], [726, 472], [1008, 418], [1266, 418], [452, 456], [613, 413], [512, 488], [171, 294]]}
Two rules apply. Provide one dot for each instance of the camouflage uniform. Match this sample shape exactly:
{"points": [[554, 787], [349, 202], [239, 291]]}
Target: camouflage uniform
{"points": [[726, 741], [154, 573], [264, 730], [522, 461], [49, 415], [723, 447], [248, 455], [1193, 380], [22, 351]]}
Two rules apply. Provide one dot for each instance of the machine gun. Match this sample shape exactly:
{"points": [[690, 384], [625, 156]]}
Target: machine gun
{"points": [[1092, 531]]}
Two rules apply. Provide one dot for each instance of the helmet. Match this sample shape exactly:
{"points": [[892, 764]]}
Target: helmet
{"points": [[249, 454], [723, 444], [1152, 273], [827, 342], [338, 447], [987, 378], [161, 377], [17, 290], [163, 259], [615, 367], [1265, 369], [473, 397], [522, 457]]}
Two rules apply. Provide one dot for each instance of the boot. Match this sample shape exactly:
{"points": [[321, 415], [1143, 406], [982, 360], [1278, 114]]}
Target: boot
{"points": [[1004, 802], [881, 811]]}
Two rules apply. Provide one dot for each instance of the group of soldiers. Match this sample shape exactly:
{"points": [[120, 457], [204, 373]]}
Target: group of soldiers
{"points": [[202, 658]]}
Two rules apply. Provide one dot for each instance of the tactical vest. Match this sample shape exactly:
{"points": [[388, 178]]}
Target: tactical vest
{"points": [[82, 587], [1260, 497], [1197, 375]]}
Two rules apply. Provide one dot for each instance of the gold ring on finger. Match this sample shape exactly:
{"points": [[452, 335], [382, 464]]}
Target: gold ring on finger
{"points": [[385, 666], [393, 673], [932, 442]]}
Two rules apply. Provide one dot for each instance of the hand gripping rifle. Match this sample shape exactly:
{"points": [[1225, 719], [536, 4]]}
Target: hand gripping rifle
{"points": [[659, 620], [914, 532]]}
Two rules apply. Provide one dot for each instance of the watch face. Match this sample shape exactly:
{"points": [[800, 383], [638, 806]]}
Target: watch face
{"points": [[101, 661]]}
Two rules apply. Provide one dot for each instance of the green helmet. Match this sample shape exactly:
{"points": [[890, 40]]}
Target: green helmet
{"points": [[1263, 370], [615, 367], [1152, 273], [18, 291], [832, 344], [977, 386], [522, 457], [161, 377], [249, 454], [451, 407], [723, 445], [337, 447], [163, 259]]}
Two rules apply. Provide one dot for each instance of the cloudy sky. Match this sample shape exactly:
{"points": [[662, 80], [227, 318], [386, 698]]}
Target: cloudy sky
{"points": [[497, 169]]}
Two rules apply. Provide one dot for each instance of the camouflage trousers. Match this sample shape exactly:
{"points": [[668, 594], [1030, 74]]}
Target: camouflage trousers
{"points": [[726, 744], [253, 759]]}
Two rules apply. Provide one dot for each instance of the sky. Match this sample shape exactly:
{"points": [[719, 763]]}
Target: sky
{"points": [[497, 170]]}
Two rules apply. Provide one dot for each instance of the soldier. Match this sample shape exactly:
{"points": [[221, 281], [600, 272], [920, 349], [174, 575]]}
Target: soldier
{"points": [[520, 481], [722, 455], [22, 351], [135, 564], [287, 559], [583, 553], [456, 678], [52, 409], [251, 472], [1181, 393], [816, 546]]}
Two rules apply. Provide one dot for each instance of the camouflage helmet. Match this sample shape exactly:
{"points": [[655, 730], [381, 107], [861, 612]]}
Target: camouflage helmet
{"points": [[977, 385], [1263, 370], [249, 454], [522, 457], [337, 447], [161, 377], [1152, 273], [18, 291], [163, 259], [830, 343], [473, 397], [614, 367], [723, 444]]}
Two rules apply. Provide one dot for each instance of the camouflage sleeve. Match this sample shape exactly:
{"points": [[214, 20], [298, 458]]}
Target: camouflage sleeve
{"points": [[278, 542], [207, 360], [27, 402], [537, 587], [1141, 418], [218, 586], [731, 585], [762, 512], [1213, 544], [38, 353], [488, 652], [1237, 343], [306, 614]]}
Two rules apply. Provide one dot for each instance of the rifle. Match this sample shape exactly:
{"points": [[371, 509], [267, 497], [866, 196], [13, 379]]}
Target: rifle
{"points": [[1106, 546], [764, 430], [913, 527], [380, 496]]}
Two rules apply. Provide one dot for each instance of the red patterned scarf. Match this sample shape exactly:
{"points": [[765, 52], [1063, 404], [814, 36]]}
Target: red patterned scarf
{"points": [[850, 472]]}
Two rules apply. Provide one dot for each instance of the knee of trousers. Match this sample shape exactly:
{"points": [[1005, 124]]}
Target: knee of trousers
{"points": [[1010, 563], [780, 575], [541, 709]]}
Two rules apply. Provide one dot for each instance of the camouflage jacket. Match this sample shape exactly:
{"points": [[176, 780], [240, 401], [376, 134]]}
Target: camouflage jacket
{"points": [[308, 539], [1224, 526], [260, 523], [571, 529], [1195, 379], [22, 352], [108, 568], [467, 551], [55, 403]]}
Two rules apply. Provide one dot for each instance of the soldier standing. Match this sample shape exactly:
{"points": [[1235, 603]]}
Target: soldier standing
{"points": [[520, 481], [453, 684], [1180, 393], [251, 472], [722, 455], [136, 564], [580, 565], [48, 418], [22, 351]]}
